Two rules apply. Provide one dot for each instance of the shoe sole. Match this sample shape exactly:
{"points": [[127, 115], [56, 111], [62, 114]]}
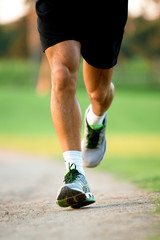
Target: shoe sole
{"points": [[73, 198]]}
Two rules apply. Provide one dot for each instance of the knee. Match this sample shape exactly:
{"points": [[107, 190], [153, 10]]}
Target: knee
{"points": [[102, 94], [63, 80]]}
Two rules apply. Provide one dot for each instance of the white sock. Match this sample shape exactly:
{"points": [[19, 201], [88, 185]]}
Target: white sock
{"points": [[93, 119], [74, 157]]}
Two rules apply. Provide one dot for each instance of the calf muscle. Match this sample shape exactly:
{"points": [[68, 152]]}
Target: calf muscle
{"points": [[64, 59]]}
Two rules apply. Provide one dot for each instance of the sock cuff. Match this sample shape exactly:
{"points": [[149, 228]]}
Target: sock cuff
{"points": [[93, 119], [72, 154], [75, 157]]}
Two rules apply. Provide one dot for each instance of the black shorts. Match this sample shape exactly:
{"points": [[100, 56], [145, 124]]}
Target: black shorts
{"points": [[98, 27]]}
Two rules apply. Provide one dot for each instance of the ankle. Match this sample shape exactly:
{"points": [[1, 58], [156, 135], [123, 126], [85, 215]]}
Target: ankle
{"points": [[74, 157], [93, 119]]}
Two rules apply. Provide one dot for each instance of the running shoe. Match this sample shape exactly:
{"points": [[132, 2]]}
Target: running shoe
{"points": [[94, 144], [75, 191]]}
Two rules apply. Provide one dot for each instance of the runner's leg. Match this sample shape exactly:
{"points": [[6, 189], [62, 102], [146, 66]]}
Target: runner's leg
{"points": [[64, 59], [101, 92], [99, 87]]}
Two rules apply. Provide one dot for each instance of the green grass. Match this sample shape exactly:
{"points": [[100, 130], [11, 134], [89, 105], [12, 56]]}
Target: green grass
{"points": [[143, 171], [133, 127], [158, 206], [21, 73], [26, 114], [23, 111], [134, 111], [154, 238], [136, 73]]}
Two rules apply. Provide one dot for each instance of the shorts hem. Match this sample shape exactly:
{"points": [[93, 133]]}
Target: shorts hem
{"points": [[100, 65], [46, 43]]}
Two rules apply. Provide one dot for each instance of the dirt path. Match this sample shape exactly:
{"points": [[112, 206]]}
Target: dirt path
{"points": [[28, 187]]}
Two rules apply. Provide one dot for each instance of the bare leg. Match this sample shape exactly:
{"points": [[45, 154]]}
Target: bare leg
{"points": [[99, 87], [101, 92], [64, 59]]}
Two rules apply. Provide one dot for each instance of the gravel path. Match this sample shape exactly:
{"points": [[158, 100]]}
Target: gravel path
{"points": [[28, 188]]}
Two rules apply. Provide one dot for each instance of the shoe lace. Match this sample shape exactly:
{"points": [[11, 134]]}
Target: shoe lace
{"points": [[93, 137], [72, 174]]}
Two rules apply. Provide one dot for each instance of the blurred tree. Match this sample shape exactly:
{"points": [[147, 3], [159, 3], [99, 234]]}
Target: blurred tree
{"points": [[42, 76], [13, 39], [143, 39], [142, 36]]}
